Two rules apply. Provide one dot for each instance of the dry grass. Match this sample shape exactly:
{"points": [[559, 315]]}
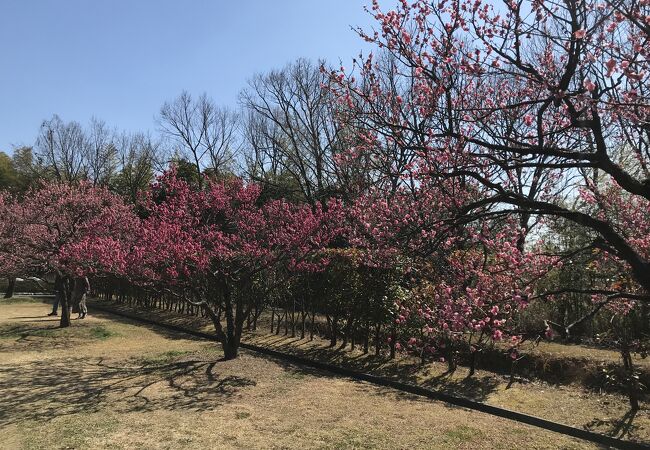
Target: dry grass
{"points": [[585, 351], [601, 412], [133, 386], [605, 413]]}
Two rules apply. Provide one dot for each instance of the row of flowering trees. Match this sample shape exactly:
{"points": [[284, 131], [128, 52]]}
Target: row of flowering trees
{"points": [[540, 109], [400, 268], [222, 249], [476, 133], [209, 246]]}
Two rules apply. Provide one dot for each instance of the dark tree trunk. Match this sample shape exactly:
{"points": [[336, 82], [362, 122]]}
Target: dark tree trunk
{"points": [[230, 350], [472, 363], [277, 326], [230, 345], [333, 322], [393, 337], [235, 316], [255, 317], [65, 309], [11, 286], [347, 332], [366, 338], [377, 339], [231, 336], [513, 370], [451, 358]]}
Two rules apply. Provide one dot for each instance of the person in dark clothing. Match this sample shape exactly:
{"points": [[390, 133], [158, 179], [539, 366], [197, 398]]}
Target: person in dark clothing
{"points": [[81, 288], [59, 292]]}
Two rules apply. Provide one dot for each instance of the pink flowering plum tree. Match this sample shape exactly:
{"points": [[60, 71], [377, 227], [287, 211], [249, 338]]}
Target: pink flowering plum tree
{"points": [[70, 229], [466, 282], [533, 106], [530, 100], [11, 263], [211, 246]]}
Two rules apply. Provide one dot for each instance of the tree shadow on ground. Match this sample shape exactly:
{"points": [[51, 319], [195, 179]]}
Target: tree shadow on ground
{"points": [[622, 428], [476, 388], [53, 387], [166, 333], [190, 322], [42, 390]]}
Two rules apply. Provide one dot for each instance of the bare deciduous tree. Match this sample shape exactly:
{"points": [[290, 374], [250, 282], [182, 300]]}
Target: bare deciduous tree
{"points": [[100, 153], [71, 153], [291, 128], [204, 131], [60, 147]]}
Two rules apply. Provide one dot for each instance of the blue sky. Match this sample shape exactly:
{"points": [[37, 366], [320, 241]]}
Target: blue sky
{"points": [[119, 60]]}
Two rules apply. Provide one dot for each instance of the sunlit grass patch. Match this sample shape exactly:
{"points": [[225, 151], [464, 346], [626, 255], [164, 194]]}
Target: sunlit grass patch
{"points": [[27, 330], [463, 433], [101, 332], [350, 439], [76, 431], [18, 299], [162, 358]]}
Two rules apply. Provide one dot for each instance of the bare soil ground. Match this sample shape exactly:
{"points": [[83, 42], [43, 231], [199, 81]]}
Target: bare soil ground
{"points": [[106, 382]]}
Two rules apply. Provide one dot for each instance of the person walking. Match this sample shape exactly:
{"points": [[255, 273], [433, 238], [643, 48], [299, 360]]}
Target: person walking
{"points": [[81, 289], [59, 292]]}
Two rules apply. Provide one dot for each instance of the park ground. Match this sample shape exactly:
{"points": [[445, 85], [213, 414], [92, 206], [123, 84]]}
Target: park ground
{"points": [[107, 382]]}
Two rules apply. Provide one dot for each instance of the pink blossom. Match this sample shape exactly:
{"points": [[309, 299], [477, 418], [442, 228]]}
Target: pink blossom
{"points": [[611, 66]]}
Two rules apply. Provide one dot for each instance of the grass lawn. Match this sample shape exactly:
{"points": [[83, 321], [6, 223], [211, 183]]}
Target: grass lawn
{"points": [[109, 383], [606, 413]]}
